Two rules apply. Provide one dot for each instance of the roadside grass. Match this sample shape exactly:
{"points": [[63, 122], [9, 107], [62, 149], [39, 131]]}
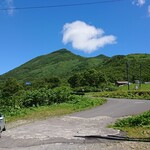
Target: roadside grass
{"points": [[137, 126], [143, 87], [123, 92], [132, 94], [43, 112]]}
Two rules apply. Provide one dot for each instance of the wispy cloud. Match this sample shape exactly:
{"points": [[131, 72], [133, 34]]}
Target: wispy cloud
{"points": [[139, 2], [10, 5], [7, 6], [149, 11], [85, 37]]}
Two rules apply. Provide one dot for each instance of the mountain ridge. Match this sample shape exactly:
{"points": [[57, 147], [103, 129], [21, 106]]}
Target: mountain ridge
{"points": [[63, 63]]}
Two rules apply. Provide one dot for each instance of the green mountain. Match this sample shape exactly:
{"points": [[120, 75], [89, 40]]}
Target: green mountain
{"points": [[138, 67], [63, 64]]}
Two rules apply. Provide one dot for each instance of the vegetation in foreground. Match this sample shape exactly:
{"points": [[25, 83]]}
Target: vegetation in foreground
{"points": [[143, 87], [75, 104], [135, 94], [136, 126]]}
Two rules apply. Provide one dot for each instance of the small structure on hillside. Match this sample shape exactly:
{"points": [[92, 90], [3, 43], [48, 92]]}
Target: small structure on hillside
{"points": [[121, 83]]}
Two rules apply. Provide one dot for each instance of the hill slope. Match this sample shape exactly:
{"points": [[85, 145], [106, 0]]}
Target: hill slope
{"points": [[63, 64], [116, 67]]}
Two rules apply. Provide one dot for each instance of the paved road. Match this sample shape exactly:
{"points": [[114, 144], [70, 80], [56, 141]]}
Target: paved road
{"points": [[116, 108], [67, 132]]}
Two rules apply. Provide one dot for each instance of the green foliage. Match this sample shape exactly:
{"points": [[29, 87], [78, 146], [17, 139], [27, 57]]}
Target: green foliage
{"points": [[137, 126], [49, 72], [87, 89], [34, 98], [144, 87], [115, 67], [37, 97], [45, 96], [125, 94], [139, 120], [47, 82], [74, 104], [10, 87], [91, 78], [61, 64], [75, 80], [60, 95], [64, 64], [80, 103]]}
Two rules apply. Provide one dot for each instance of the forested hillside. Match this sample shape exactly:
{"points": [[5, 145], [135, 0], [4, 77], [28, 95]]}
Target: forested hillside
{"points": [[63, 64], [116, 67]]}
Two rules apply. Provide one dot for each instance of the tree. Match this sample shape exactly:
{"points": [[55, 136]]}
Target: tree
{"points": [[48, 82], [10, 87], [53, 82], [75, 80], [90, 78]]}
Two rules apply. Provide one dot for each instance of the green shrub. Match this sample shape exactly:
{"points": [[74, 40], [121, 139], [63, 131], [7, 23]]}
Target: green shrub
{"points": [[139, 120], [125, 94], [59, 95]]}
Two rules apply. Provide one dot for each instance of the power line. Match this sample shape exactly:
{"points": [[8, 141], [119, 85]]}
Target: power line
{"points": [[60, 5]]}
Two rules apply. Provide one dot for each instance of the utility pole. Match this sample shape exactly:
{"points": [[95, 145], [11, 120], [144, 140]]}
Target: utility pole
{"points": [[127, 70], [140, 75]]}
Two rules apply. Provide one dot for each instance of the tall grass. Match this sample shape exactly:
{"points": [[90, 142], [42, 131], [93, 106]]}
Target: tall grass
{"points": [[136, 94], [41, 112], [141, 120], [143, 87], [136, 126]]}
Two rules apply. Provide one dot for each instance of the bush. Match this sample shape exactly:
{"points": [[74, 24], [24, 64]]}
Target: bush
{"points": [[59, 95], [33, 98], [125, 94], [44, 96], [139, 120]]}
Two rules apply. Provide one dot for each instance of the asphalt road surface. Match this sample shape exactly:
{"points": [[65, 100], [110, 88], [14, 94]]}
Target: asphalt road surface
{"points": [[116, 108], [76, 131]]}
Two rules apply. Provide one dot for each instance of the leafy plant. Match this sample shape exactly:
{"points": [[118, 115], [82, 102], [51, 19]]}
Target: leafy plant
{"points": [[125, 94], [139, 120]]}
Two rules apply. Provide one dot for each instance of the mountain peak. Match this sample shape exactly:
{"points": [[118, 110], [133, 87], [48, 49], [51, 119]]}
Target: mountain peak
{"points": [[61, 51], [102, 56]]}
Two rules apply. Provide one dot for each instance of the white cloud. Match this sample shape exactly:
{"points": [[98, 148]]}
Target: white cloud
{"points": [[10, 5], [85, 37], [139, 2]]}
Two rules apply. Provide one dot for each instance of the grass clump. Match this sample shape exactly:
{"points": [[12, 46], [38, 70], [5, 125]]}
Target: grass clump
{"points": [[136, 126], [139, 121], [136, 94]]}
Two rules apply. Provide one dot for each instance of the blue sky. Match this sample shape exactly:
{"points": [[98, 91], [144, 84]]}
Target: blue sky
{"points": [[114, 28]]}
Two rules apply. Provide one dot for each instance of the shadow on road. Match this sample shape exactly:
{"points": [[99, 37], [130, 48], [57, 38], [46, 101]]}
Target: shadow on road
{"points": [[116, 138]]}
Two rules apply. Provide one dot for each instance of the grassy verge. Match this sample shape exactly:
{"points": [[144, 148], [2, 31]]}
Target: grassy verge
{"points": [[42, 112], [143, 87], [136, 126], [124, 94]]}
